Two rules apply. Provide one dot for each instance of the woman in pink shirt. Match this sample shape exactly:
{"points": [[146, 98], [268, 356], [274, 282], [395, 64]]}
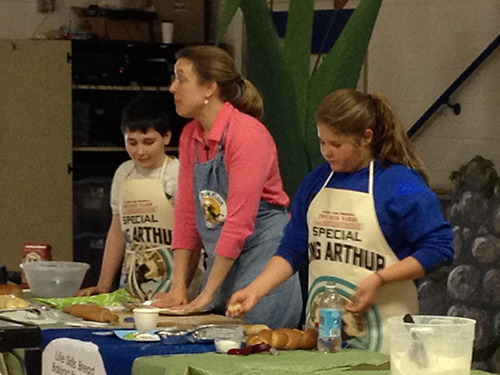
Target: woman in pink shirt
{"points": [[230, 197]]}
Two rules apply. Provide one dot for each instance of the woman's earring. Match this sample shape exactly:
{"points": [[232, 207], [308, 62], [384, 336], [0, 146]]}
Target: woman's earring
{"points": [[206, 101]]}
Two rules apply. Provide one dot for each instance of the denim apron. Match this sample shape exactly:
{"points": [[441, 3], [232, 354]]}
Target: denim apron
{"points": [[280, 308]]}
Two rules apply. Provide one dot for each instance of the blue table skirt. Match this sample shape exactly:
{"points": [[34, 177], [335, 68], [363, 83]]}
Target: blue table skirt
{"points": [[119, 355]]}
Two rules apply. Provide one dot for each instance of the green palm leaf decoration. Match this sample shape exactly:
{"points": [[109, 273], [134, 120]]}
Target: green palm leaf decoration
{"points": [[281, 71], [297, 50]]}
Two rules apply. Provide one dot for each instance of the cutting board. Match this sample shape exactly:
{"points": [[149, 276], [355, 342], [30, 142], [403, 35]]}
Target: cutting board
{"points": [[190, 321]]}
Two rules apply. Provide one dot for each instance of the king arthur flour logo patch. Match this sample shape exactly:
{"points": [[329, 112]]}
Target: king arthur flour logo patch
{"points": [[214, 208]]}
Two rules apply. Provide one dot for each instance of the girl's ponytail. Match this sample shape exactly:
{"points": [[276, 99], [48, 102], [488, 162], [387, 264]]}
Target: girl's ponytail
{"points": [[352, 112], [390, 142]]}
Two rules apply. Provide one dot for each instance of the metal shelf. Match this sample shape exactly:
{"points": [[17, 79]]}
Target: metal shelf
{"points": [[111, 149], [121, 88]]}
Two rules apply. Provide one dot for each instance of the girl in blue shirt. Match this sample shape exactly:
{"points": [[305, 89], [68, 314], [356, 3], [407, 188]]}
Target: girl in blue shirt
{"points": [[366, 220]]}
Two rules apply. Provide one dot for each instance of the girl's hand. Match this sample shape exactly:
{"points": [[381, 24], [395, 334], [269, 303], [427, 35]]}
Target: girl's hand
{"points": [[241, 302], [91, 291], [365, 294], [170, 299]]}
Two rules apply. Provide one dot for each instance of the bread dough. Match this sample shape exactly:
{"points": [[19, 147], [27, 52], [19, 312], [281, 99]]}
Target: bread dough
{"points": [[353, 325], [11, 302], [234, 308]]}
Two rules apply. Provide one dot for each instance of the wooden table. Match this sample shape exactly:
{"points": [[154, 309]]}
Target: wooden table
{"points": [[191, 321]]}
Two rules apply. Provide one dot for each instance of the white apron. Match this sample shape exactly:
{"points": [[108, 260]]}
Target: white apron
{"points": [[346, 244], [146, 217]]}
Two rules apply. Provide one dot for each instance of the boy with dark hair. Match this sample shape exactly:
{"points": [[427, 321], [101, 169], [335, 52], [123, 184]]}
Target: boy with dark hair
{"points": [[142, 200]]}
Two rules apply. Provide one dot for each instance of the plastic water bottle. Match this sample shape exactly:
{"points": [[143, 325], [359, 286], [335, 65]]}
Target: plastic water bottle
{"points": [[330, 320]]}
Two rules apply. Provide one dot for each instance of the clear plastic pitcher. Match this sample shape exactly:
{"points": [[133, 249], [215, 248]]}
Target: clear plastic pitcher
{"points": [[433, 345]]}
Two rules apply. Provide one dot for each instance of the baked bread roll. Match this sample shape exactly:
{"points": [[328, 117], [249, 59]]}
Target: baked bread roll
{"points": [[91, 312], [286, 338], [254, 329], [13, 289]]}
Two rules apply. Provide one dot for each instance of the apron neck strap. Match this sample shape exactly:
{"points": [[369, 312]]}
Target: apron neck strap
{"points": [[164, 165], [222, 142], [220, 147], [370, 178], [328, 180], [165, 162]]}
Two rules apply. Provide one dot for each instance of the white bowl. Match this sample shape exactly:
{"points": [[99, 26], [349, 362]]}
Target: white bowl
{"points": [[228, 338], [49, 279]]}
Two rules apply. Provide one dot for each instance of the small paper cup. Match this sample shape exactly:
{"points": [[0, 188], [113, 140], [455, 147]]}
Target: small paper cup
{"points": [[146, 318]]}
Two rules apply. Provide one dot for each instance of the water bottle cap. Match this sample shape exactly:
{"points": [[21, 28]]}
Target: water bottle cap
{"points": [[331, 284]]}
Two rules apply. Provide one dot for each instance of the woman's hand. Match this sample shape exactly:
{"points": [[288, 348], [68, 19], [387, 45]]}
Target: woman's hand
{"points": [[203, 300], [170, 299], [91, 291], [365, 294], [242, 302]]}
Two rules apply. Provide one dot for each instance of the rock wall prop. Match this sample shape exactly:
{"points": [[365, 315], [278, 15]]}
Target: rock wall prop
{"points": [[470, 287]]}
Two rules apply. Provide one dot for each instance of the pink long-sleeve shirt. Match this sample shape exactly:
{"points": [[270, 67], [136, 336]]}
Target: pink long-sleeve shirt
{"points": [[253, 174]]}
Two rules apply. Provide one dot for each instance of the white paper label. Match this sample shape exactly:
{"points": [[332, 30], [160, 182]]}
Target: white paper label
{"points": [[72, 357]]}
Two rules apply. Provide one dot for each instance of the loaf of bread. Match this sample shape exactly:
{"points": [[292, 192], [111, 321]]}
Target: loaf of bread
{"points": [[13, 289], [91, 312], [286, 338]]}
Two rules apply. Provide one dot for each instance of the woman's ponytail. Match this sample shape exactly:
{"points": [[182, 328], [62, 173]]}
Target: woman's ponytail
{"points": [[213, 64], [243, 95], [251, 101]]}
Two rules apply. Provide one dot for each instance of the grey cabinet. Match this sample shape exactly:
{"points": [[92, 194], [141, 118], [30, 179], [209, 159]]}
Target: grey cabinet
{"points": [[60, 142], [35, 148]]}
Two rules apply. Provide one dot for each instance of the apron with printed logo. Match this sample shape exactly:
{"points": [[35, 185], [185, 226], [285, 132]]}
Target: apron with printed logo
{"points": [[346, 244], [146, 217], [282, 307]]}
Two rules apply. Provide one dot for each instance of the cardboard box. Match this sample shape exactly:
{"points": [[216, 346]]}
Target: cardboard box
{"points": [[118, 29], [188, 17]]}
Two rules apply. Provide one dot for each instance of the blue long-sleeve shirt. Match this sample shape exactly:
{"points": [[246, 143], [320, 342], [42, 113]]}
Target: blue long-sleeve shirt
{"points": [[407, 210]]}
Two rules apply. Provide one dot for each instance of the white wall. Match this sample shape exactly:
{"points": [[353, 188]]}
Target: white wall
{"points": [[418, 49], [19, 19], [235, 34]]}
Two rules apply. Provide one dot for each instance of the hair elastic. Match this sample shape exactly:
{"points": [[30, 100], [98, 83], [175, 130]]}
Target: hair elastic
{"points": [[241, 86], [381, 278]]}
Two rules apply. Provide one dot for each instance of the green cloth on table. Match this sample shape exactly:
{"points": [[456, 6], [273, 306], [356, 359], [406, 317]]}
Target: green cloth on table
{"points": [[105, 299], [286, 362], [12, 361]]}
